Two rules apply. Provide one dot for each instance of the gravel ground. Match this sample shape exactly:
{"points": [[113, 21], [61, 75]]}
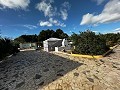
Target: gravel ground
{"points": [[38, 70]]}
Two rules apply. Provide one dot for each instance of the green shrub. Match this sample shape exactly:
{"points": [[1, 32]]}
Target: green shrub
{"points": [[110, 43], [118, 41], [89, 43], [7, 48]]}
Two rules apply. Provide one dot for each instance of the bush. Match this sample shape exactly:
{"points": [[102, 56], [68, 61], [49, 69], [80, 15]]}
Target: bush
{"points": [[7, 48], [89, 43], [118, 41], [110, 43]]}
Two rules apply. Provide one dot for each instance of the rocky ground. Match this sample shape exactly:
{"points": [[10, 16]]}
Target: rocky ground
{"points": [[38, 70]]}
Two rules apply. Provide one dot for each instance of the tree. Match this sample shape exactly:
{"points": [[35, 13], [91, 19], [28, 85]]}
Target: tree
{"points": [[7, 47], [60, 34], [110, 38], [89, 43], [118, 41], [45, 34], [27, 38]]}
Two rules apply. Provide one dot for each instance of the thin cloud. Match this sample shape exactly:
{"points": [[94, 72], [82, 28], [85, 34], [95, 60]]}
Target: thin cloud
{"points": [[64, 14], [64, 10], [30, 26], [14, 4], [110, 13], [46, 7], [52, 22], [117, 30], [98, 1], [95, 31], [51, 11]]}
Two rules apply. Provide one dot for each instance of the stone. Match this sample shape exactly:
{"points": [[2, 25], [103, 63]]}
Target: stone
{"points": [[101, 60], [118, 69], [37, 76], [59, 74], [60, 71], [20, 84], [84, 72], [96, 77], [16, 76], [53, 67], [46, 70], [114, 66], [91, 80], [41, 84], [76, 74]]}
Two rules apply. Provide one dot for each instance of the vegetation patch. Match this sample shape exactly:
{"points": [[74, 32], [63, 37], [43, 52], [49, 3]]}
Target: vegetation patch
{"points": [[88, 43], [7, 47]]}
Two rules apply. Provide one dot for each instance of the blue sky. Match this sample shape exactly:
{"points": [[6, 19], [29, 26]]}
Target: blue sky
{"points": [[18, 17]]}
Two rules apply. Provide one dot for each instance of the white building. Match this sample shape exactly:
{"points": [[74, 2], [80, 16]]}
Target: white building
{"points": [[28, 46], [55, 44]]}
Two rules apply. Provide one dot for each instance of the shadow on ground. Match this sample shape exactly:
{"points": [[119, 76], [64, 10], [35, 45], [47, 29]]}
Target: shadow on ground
{"points": [[32, 69]]}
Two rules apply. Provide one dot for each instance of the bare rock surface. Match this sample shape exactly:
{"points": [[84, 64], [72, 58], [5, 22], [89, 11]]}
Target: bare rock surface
{"points": [[38, 70]]}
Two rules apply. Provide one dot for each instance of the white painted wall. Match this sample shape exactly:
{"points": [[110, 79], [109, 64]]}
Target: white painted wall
{"points": [[45, 44], [64, 43]]}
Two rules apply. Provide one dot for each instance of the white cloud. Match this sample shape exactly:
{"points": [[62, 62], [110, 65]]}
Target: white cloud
{"points": [[117, 30], [14, 4], [95, 31], [99, 1], [64, 10], [110, 13], [66, 5], [52, 22], [56, 22], [45, 23], [64, 14], [46, 7], [30, 26]]}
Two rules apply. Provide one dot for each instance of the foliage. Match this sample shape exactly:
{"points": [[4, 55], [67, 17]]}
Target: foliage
{"points": [[7, 47], [89, 43], [110, 38], [45, 34], [27, 38], [118, 41]]}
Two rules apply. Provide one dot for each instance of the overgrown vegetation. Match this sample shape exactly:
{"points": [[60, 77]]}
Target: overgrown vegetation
{"points": [[27, 38], [89, 43], [110, 38], [7, 47], [43, 35]]}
